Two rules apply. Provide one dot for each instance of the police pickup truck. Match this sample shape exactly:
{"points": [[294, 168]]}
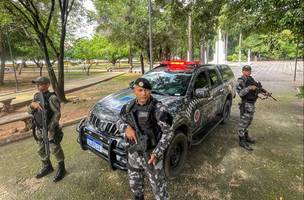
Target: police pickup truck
{"points": [[199, 98]]}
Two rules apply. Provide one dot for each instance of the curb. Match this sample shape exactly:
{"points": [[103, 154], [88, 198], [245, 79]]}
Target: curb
{"points": [[21, 136]]}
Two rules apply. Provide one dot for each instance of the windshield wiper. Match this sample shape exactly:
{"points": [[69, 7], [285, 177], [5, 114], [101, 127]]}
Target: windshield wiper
{"points": [[156, 92]]}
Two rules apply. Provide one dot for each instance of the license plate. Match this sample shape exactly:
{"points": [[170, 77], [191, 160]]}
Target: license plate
{"points": [[95, 144]]}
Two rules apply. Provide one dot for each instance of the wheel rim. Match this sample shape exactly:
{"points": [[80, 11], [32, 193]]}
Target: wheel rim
{"points": [[175, 156]]}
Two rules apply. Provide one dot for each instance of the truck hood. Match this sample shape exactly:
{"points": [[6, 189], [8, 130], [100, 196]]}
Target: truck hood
{"points": [[108, 108]]}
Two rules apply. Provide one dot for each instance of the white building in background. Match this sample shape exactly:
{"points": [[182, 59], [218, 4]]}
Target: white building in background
{"points": [[219, 56]]}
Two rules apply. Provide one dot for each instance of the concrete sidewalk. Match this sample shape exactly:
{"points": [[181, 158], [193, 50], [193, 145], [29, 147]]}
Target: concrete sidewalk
{"points": [[23, 98]]}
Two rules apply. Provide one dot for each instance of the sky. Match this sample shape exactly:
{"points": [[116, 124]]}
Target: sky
{"points": [[87, 29]]}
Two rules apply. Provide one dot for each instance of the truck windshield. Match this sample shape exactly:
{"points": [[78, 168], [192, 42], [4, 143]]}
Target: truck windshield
{"points": [[168, 83]]}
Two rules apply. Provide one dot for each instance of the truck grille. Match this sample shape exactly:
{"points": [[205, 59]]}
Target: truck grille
{"points": [[107, 127]]}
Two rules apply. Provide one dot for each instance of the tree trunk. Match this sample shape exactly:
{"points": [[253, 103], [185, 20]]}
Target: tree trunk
{"points": [[15, 76], [2, 57], [203, 51], [240, 48], [23, 65], [39, 65], [167, 53], [207, 52], [130, 59], [295, 70], [40, 71], [160, 53], [89, 67], [12, 59], [60, 91], [190, 47], [226, 47], [49, 67], [113, 63], [142, 63]]}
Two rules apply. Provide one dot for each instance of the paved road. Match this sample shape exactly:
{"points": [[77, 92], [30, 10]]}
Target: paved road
{"points": [[274, 75]]}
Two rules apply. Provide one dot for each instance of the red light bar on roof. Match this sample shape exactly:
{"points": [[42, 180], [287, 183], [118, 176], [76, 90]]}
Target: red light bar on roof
{"points": [[179, 65], [179, 62]]}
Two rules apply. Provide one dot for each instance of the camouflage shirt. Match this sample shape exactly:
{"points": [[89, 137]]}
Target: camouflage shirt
{"points": [[54, 104], [167, 132], [241, 88]]}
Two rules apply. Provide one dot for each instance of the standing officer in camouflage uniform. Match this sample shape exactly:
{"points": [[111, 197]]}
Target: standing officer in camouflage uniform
{"points": [[247, 90], [52, 106], [154, 121]]}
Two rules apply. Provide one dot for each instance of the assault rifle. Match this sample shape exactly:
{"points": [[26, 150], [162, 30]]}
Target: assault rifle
{"points": [[44, 126], [260, 89]]}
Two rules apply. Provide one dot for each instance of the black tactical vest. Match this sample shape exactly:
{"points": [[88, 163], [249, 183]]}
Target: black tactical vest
{"points": [[38, 115], [146, 121], [251, 96]]}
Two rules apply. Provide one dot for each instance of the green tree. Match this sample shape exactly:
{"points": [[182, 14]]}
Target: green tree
{"points": [[97, 48], [42, 17]]}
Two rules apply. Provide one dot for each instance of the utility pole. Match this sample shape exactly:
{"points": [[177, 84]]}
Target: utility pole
{"points": [[150, 35]]}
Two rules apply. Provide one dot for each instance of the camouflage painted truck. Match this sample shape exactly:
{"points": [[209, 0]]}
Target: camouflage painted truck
{"points": [[199, 98]]}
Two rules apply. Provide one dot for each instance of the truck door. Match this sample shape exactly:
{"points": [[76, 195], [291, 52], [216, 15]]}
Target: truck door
{"points": [[200, 106], [216, 91]]}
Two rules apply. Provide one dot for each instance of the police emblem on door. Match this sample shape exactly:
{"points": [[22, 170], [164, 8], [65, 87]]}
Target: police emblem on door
{"points": [[197, 115]]}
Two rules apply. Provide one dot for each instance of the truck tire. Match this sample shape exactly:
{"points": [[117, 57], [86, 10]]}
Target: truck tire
{"points": [[226, 111], [176, 154]]}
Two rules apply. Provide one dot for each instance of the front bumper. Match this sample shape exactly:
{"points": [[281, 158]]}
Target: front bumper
{"points": [[110, 150]]}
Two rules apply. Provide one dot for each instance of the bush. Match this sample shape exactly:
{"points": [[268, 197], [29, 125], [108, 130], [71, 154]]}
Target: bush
{"points": [[301, 92], [235, 57]]}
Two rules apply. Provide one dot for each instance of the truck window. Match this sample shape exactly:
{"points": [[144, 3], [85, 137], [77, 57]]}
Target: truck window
{"points": [[227, 73], [201, 81], [214, 78]]}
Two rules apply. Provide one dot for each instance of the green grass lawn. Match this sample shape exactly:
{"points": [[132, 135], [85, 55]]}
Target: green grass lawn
{"points": [[215, 170]]}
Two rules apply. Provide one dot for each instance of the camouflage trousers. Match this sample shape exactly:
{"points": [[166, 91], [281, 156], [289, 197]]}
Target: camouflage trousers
{"points": [[246, 116], [55, 149], [138, 169]]}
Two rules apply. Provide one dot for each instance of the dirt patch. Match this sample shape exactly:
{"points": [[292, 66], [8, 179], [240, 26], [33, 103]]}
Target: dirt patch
{"points": [[237, 178], [32, 185], [205, 193], [4, 194]]}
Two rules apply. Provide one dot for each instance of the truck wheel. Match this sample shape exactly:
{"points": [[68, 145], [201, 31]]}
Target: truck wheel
{"points": [[226, 111], [176, 154]]}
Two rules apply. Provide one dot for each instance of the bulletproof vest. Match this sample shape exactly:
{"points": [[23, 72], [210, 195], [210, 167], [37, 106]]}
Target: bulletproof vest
{"points": [[251, 96], [146, 121], [49, 113]]}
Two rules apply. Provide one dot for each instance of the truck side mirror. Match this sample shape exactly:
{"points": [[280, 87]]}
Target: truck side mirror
{"points": [[202, 93]]}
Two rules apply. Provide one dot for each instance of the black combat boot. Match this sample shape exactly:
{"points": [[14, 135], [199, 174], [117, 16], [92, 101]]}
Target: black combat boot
{"points": [[244, 144], [248, 139], [45, 169], [139, 197], [60, 172]]}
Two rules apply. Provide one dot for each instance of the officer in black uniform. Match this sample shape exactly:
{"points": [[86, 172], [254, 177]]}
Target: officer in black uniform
{"points": [[154, 121], [52, 106]]}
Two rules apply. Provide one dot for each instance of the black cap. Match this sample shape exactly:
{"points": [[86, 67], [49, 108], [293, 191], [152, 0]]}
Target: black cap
{"points": [[144, 83], [41, 80], [246, 68]]}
